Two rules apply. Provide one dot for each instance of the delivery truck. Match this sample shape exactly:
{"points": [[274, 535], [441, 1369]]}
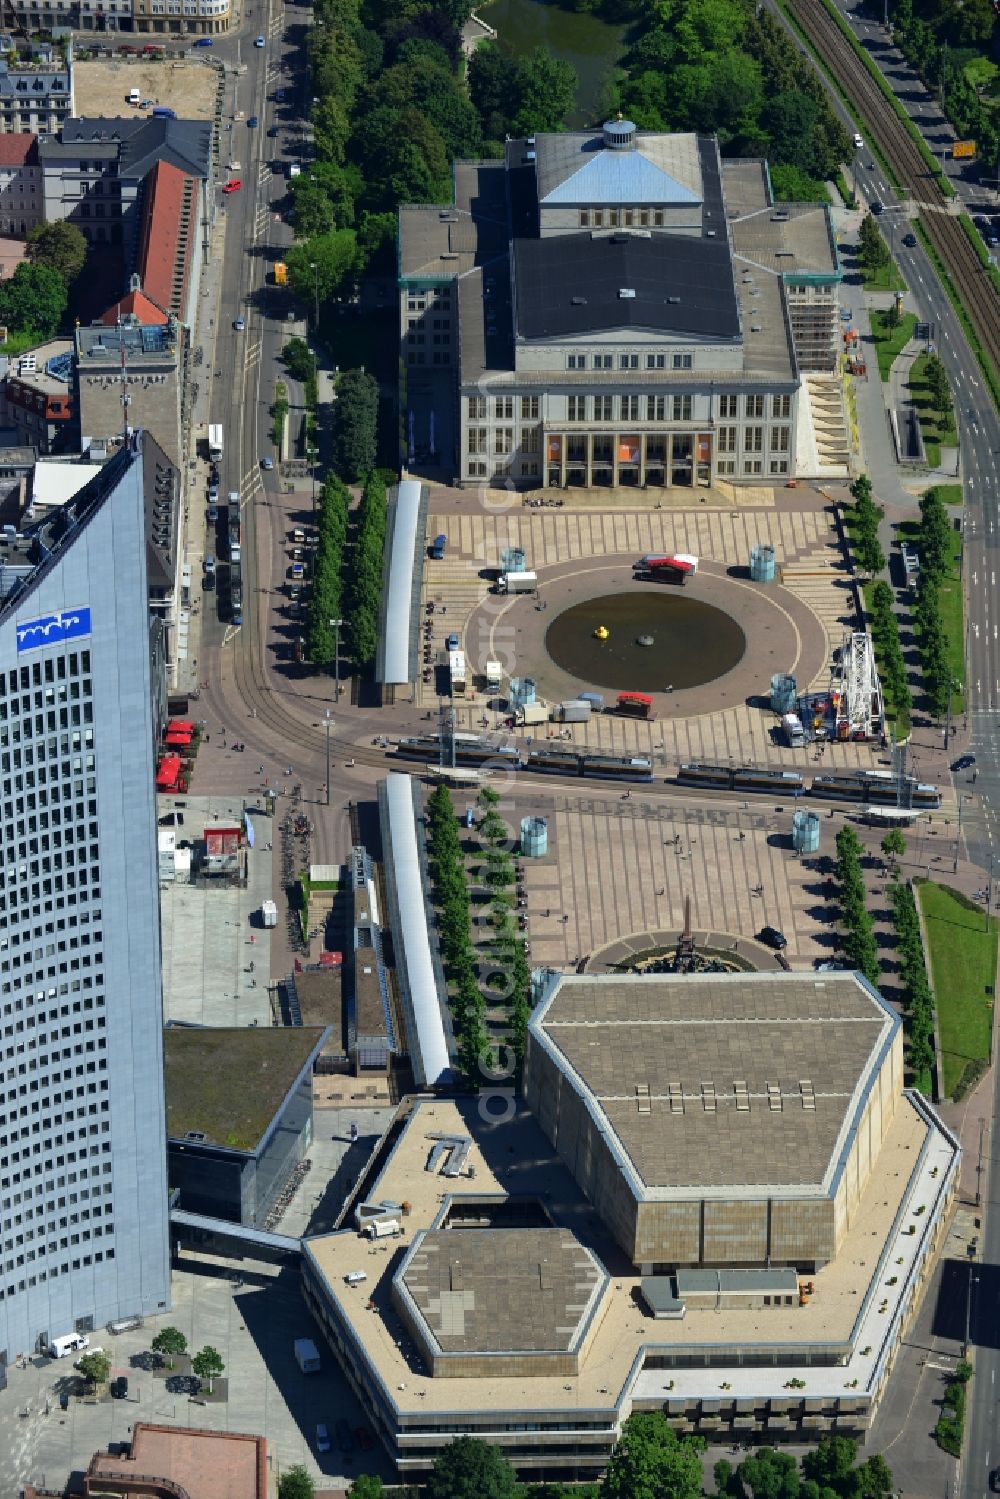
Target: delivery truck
{"points": [[456, 671], [494, 676], [575, 710], [215, 444], [532, 713], [795, 734], [307, 1355], [269, 913], [517, 582]]}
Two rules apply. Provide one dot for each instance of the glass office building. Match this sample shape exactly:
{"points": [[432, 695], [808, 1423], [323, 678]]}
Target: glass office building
{"points": [[83, 1207]]}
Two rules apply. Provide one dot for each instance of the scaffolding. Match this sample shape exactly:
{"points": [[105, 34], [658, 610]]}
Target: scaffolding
{"points": [[856, 690]]}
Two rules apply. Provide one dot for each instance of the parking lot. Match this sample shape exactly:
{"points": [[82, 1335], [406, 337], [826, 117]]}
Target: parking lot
{"points": [[251, 1313]]}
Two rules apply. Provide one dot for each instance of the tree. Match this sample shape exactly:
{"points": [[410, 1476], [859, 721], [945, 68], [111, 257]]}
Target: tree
{"points": [[207, 1364], [894, 845], [95, 1367], [300, 361], [323, 266], [769, 1474], [295, 1483], [365, 1486], [547, 87], [33, 300], [652, 1461], [875, 1477], [936, 377], [355, 427], [471, 1469], [60, 246], [832, 1460], [873, 252], [170, 1341]]}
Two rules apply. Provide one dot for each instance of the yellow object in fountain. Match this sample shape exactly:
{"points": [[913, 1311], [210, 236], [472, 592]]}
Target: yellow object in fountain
{"points": [[601, 633]]}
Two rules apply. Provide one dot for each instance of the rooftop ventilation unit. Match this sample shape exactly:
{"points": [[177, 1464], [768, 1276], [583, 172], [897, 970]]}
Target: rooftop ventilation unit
{"points": [[626, 293], [578, 301], [642, 1101], [756, 328], [708, 1097], [675, 301]]}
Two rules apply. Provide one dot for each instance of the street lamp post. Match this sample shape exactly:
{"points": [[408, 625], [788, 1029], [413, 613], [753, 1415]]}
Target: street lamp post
{"points": [[315, 270], [327, 721], [335, 625]]}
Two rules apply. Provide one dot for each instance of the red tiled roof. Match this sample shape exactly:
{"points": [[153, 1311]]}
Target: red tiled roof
{"points": [[167, 236], [207, 1464], [17, 150], [134, 304]]}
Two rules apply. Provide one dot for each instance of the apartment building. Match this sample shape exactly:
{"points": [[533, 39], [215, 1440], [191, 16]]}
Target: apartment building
{"points": [[36, 90], [22, 195], [83, 1202], [617, 309]]}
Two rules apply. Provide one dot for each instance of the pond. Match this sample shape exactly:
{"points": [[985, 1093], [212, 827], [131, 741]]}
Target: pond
{"points": [[687, 642], [590, 45]]}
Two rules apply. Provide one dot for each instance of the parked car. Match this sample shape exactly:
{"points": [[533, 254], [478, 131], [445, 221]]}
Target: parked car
{"points": [[322, 1438], [995, 1480], [267, 464], [203, 41], [233, 185], [451, 644], [210, 566], [119, 1388], [240, 324], [274, 131], [963, 762], [279, 95], [771, 937], [212, 514], [213, 494]]}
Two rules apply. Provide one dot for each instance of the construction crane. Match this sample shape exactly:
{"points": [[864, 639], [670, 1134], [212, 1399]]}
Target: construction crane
{"points": [[856, 690]]}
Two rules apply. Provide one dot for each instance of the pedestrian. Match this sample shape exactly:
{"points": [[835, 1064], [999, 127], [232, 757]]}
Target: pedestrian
{"points": [[260, 770], [288, 772]]}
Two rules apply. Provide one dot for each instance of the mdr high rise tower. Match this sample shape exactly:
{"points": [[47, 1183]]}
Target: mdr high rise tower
{"points": [[83, 1196]]}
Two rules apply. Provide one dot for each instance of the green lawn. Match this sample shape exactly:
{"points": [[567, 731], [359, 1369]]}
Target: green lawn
{"points": [[889, 342], [887, 278], [952, 607], [951, 494], [963, 957], [936, 433]]}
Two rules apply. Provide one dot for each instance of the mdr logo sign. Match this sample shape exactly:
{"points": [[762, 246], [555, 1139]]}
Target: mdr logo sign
{"points": [[52, 629]]}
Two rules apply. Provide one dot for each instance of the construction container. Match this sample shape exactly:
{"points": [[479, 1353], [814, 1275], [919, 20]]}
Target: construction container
{"points": [[522, 691], [805, 832], [763, 565], [784, 693], [534, 837]]}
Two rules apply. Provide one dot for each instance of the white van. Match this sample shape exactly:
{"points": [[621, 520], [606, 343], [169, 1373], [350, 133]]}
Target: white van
{"points": [[355, 1277], [75, 1342], [134, 96]]}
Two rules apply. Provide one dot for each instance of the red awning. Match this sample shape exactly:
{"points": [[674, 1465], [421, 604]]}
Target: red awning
{"points": [[178, 739], [167, 772], [181, 725]]}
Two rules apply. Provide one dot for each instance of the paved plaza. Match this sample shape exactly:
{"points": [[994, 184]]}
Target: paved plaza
{"points": [[251, 1313]]}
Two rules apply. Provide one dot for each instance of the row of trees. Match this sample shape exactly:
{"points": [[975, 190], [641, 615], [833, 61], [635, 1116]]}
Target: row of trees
{"points": [[509, 976], [934, 542], [951, 1422], [517, 96], [940, 42], [918, 998], [355, 424], [728, 66], [171, 1343], [364, 584], [889, 650], [651, 1461], [326, 596], [865, 519], [855, 918], [446, 862]]}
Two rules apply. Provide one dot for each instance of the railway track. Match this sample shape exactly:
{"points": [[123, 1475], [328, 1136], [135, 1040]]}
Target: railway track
{"points": [[943, 229]]}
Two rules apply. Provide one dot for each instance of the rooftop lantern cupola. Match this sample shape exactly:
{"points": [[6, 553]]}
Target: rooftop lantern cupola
{"points": [[619, 135]]}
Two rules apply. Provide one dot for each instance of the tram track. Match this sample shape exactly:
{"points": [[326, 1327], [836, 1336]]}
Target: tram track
{"points": [[907, 164]]}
